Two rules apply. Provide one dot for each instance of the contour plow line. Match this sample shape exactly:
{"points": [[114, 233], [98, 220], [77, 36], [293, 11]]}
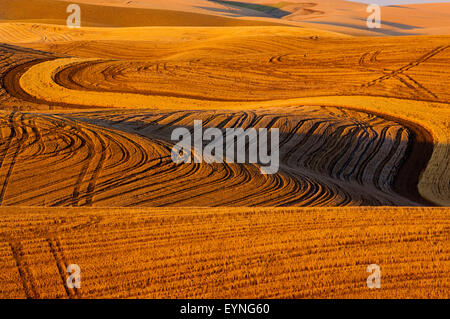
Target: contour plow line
{"points": [[329, 157]]}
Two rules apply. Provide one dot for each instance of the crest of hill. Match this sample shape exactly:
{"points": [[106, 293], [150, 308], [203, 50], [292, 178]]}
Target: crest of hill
{"points": [[54, 12]]}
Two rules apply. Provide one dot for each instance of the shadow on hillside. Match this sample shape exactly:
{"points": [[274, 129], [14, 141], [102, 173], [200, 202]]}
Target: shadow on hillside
{"points": [[263, 10], [381, 31]]}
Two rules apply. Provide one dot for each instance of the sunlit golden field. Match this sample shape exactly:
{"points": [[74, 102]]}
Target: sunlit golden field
{"points": [[86, 175], [225, 253]]}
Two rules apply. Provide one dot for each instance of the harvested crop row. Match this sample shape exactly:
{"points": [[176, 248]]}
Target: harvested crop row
{"points": [[14, 61], [222, 253], [255, 65], [329, 157]]}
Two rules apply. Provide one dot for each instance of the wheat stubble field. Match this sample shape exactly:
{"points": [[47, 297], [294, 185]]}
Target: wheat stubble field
{"points": [[86, 175]]}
